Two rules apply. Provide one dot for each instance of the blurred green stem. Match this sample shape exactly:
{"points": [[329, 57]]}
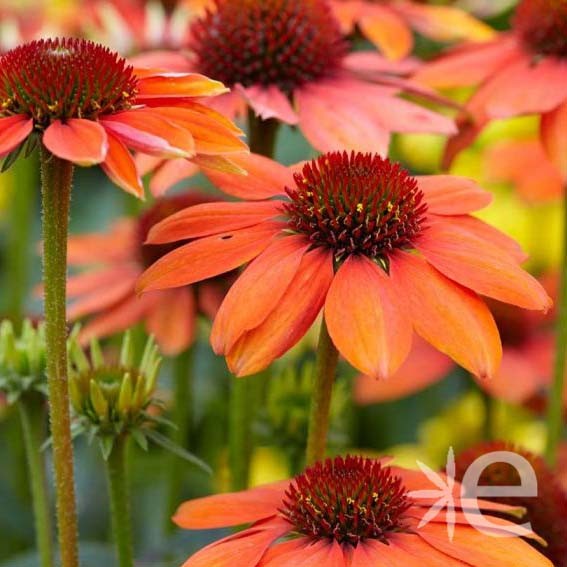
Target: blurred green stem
{"points": [[119, 491], [23, 178], [56, 180], [555, 423], [325, 370], [32, 417], [183, 418], [262, 135]]}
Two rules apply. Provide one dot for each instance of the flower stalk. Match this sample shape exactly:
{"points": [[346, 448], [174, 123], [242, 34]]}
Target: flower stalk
{"points": [[56, 181], [325, 370]]}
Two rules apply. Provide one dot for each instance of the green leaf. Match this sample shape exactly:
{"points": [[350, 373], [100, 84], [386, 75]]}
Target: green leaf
{"points": [[140, 438], [172, 447]]}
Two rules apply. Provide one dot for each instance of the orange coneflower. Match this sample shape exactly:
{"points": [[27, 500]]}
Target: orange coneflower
{"points": [[351, 512], [107, 292], [523, 71], [389, 23], [88, 106], [546, 512], [384, 252]]}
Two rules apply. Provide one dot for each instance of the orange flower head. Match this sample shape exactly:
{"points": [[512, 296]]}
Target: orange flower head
{"points": [[59, 79], [547, 512], [356, 204], [270, 42], [542, 26], [347, 500]]}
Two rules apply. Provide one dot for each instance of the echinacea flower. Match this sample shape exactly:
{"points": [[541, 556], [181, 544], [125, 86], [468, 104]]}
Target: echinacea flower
{"points": [[88, 106], [351, 512], [525, 371], [523, 71], [287, 59], [385, 253], [389, 24], [107, 292], [546, 512]]}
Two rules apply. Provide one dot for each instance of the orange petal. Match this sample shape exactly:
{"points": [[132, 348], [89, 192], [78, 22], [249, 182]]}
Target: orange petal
{"points": [[83, 142], [289, 321], [386, 30], [164, 84], [366, 320], [169, 173], [103, 298], [452, 195], [207, 257], [211, 218], [270, 102], [289, 552], [93, 280], [13, 131], [481, 266], [120, 167], [172, 320], [221, 164], [266, 178], [150, 133], [262, 285], [450, 317], [232, 508], [424, 366], [554, 137]]}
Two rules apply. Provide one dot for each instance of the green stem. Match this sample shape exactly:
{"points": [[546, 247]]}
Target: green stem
{"points": [[555, 409], [488, 424], [32, 416], [56, 180], [23, 177], [118, 487], [183, 418], [325, 370], [262, 135]]}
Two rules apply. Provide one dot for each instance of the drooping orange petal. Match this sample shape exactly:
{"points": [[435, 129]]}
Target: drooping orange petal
{"points": [[481, 266], [450, 317], [387, 30], [169, 173], [211, 218], [289, 321], [371, 554], [469, 65], [172, 320], [207, 257], [83, 142], [13, 131], [120, 167], [150, 133], [270, 102], [164, 84], [266, 178], [554, 137], [219, 163], [424, 366], [94, 280], [290, 552], [102, 298], [232, 508], [262, 285], [452, 195], [366, 320]]}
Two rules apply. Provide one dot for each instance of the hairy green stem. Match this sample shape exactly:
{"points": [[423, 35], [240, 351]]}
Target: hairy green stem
{"points": [[33, 419], [555, 423], [325, 370], [56, 180], [183, 419], [119, 491]]}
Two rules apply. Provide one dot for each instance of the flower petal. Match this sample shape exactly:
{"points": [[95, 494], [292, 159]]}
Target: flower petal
{"points": [[120, 167], [93, 280], [554, 137], [452, 195], [211, 218], [270, 102], [289, 321], [481, 266], [366, 320], [262, 284], [207, 257], [13, 131], [450, 317], [169, 173], [83, 142], [102, 298], [165, 84], [266, 178]]}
